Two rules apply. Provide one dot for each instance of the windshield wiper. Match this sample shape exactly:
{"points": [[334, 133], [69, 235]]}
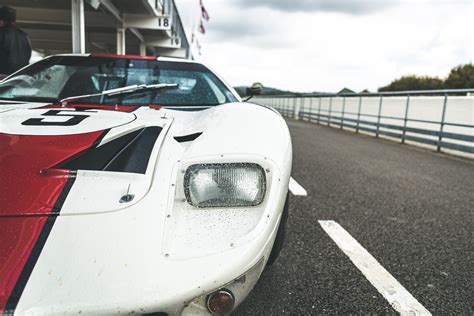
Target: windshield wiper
{"points": [[29, 99], [120, 91]]}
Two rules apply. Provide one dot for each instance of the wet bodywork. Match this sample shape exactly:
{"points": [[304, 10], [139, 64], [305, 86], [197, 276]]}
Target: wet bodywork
{"points": [[94, 217]]}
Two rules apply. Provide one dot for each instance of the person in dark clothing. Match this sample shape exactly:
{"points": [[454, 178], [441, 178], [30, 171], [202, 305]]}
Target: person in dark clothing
{"points": [[15, 47]]}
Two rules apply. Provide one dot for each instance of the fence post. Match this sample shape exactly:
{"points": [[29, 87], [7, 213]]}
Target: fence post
{"points": [[343, 110], [319, 109], [298, 108], [310, 114], [404, 131], [330, 110], [378, 117], [288, 107], [301, 109], [358, 114], [441, 128], [295, 104]]}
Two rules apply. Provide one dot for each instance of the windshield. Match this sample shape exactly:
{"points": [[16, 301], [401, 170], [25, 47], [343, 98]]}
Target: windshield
{"points": [[59, 77]]}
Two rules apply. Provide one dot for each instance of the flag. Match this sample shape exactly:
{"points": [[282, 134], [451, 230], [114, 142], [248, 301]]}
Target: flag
{"points": [[201, 28], [204, 13], [198, 46]]}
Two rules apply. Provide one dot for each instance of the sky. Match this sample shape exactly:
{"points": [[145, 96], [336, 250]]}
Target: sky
{"points": [[325, 45]]}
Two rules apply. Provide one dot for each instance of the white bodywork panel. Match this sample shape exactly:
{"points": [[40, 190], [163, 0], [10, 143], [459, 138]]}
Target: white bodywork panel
{"points": [[158, 253]]}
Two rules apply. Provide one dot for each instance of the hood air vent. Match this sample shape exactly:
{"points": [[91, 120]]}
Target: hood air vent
{"points": [[187, 138], [128, 153]]}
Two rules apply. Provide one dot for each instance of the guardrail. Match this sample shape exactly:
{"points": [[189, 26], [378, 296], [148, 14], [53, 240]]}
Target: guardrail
{"points": [[443, 119]]}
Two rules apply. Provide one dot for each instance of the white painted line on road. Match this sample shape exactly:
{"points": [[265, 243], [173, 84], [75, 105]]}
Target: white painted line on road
{"points": [[296, 188], [400, 299]]}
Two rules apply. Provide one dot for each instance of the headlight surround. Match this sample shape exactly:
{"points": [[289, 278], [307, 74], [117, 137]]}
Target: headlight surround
{"points": [[225, 185]]}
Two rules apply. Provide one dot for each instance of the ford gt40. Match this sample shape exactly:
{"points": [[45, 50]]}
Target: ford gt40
{"points": [[135, 185]]}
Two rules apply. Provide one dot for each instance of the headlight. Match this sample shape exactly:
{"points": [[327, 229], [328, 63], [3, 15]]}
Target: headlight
{"points": [[225, 185]]}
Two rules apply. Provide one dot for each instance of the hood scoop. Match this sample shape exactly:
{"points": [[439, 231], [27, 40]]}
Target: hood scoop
{"points": [[187, 138], [128, 153]]}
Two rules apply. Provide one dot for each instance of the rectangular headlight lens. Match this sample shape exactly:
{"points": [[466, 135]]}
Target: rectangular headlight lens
{"points": [[225, 185]]}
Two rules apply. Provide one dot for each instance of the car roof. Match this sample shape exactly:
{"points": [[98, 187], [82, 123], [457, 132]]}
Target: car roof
{"points": [[161, 58]]}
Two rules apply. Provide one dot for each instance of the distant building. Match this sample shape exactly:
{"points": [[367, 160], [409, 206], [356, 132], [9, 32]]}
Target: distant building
{"points": [[345, 91]]}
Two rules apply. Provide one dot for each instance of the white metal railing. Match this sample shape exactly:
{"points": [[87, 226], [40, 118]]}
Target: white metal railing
{"points": [[440, 118]]}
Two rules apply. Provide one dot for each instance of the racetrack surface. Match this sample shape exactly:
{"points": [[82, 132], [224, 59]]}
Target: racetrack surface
{"points": [[410, 208]]}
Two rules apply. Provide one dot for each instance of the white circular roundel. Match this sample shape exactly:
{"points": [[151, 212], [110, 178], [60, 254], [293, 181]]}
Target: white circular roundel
{"points": [[58, 121]]}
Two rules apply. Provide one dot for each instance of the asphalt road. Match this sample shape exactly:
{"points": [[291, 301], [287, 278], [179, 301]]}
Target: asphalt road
{"points": [[411, 209]]}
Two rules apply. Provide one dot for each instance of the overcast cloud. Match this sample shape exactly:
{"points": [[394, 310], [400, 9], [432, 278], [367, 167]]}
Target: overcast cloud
{"points": [[330, 44], [346, 6]]}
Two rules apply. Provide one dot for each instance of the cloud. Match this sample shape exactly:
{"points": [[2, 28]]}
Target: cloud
{"points": [[232, 29], [252, 28], [343, 6], [311, 50]]}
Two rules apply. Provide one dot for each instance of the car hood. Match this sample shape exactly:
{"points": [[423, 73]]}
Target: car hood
{"points": [[43, 151], [89, 159], [64, 228]]}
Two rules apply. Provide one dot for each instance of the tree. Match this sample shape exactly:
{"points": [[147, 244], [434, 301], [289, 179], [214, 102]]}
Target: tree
{"points": [[461, 77], [414, 83]]}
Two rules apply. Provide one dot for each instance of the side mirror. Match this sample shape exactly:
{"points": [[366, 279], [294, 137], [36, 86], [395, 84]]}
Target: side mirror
{"points": [[255, 89]]}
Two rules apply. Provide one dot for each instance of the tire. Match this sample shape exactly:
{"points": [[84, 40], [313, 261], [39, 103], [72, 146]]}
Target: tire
{"points": [[281, 234]]}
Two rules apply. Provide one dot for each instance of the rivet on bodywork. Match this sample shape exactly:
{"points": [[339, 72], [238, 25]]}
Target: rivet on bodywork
{"points": [[267, 170], [167, 254], [168, 215]]}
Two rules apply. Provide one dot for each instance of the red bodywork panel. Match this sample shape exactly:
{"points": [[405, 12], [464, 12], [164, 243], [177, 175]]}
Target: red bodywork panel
{"points": [[125, 56], [118, 108], [30, 200]]}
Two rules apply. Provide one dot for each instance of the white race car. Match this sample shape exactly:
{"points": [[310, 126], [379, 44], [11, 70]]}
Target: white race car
{"points": [[135, 185]]}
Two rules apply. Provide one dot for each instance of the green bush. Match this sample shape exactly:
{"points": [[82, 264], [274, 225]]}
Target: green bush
{"points": [[461, 77]]}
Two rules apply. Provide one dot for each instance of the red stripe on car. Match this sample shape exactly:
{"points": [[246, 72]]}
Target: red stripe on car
{"points": [[30, 200], [117, 108], [125, 56]]}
